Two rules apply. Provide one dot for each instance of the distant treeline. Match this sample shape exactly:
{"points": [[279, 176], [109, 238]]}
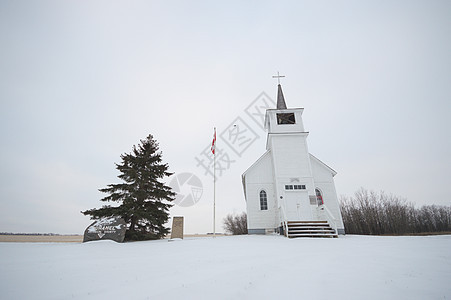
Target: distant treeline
{"points": [[374, 213], [11, 233]]}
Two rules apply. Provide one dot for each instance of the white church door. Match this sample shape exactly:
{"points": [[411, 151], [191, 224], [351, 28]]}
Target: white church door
{"points": [[292, 206], [298, 206]]}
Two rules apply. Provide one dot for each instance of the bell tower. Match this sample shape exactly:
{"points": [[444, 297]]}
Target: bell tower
{"points": [[283, 119], [287, 143]]}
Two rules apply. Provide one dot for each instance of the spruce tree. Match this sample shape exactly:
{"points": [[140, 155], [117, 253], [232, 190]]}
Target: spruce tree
{"points": [[143, 199]]}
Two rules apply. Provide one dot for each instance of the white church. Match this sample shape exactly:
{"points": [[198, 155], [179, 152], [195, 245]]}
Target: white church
{"points": [[288, 190]]}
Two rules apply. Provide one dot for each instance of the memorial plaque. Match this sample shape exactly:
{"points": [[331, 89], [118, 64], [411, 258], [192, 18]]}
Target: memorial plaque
{"points": [[111, 228], [177, 228]]}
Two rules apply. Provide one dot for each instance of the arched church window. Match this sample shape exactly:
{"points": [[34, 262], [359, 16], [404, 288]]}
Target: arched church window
{"points": [[319, 197], [263, 200]]}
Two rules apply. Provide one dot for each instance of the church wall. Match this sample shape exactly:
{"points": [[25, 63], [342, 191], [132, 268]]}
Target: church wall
{"points": [[330, 200], [325, 182], [260, 177], [257, 218], [291, 156]]}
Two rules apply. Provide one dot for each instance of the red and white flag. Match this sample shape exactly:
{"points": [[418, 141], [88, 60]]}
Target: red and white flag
{"points": [[213, 144]]}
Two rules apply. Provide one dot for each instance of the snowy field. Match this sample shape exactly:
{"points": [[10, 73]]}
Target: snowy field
{"points": [[234, 267]]}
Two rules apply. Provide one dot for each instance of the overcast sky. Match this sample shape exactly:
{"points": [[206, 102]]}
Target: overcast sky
{"points": [[81, 82]]}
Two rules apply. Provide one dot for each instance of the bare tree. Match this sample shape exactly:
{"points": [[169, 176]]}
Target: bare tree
{"points": [[236, 224], [370, 212]]}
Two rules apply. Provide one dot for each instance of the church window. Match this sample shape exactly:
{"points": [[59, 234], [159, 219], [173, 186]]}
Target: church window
{"points": [[299, 186], [295, 187], [285, 118], [319, 197], [263, 200]]}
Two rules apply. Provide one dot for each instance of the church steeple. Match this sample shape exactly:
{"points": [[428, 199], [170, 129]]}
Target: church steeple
{"points": [[280, 99]]}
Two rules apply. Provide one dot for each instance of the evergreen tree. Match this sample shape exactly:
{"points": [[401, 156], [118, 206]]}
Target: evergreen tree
{"points": [[144, 199]]}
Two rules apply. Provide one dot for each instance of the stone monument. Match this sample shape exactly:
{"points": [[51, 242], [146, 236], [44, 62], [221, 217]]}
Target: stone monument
{"points": [[177, 228], [110, 228]]}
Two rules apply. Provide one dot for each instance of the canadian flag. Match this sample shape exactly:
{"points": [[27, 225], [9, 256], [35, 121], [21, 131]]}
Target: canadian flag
{"points": [[213, 143]]}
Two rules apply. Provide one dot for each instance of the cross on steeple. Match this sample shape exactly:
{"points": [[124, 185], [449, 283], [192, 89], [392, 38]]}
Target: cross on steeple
{"points": [[278, 77]]}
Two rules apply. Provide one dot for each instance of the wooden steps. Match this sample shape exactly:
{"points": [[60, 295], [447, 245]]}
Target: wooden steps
{"points": [[310, 229]]}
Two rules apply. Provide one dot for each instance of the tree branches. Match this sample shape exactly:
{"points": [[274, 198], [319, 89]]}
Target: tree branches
{"points": [[236, 224], [374, 213], [143, 199]]}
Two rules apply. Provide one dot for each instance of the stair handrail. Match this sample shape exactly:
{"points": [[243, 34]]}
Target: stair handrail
{"points": [[329, 217], [284, 220]]}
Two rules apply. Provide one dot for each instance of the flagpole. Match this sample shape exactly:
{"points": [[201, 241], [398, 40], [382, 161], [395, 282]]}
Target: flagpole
{"points": [[214, 189]]}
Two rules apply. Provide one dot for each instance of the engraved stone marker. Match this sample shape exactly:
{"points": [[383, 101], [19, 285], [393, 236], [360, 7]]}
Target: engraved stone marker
{"points": [[111, 228], [177, 228]]}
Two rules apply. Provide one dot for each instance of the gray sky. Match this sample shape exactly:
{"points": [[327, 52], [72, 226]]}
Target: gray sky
{"points": [[81, 82]]}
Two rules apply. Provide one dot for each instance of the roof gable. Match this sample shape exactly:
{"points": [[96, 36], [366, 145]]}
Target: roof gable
{"points": [[312, 157], [255, 164]]}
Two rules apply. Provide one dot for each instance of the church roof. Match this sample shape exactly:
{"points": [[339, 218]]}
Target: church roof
{"points": [[280, 99], [323, 164]]}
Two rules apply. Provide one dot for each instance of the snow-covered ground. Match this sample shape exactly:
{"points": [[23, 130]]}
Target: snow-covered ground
{"points": [[234, 267]]}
